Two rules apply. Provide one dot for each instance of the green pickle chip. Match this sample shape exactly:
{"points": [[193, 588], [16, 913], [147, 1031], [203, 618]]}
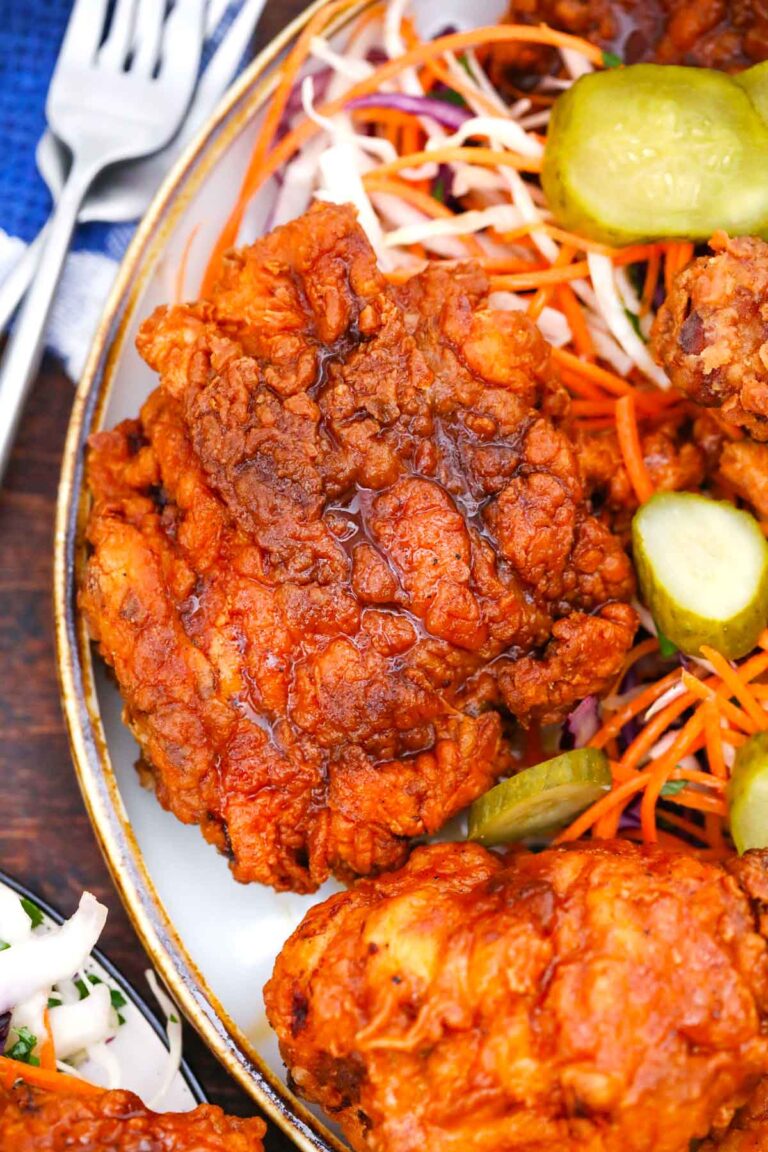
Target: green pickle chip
{"points": [[540, 799]]}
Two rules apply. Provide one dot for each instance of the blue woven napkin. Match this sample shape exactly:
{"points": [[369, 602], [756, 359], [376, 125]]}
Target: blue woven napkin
{"points": [[31, 33]]}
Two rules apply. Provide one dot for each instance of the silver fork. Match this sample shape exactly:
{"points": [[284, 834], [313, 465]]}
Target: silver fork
{"points": [[107, 105], [124, 192]]}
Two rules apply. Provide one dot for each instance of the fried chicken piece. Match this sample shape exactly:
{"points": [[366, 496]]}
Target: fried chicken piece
{"points": [[743, 465], [34, 1120], [675, 459], [604, 997], [318, 554], [711, 333], [749, 1130], [725, 34]]}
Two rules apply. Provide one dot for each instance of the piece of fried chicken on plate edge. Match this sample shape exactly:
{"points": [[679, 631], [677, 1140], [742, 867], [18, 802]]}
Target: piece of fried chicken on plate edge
{"points": [[601, 997]]}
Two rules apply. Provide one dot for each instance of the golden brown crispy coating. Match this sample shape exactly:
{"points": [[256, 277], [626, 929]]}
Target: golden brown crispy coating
{"points": [[749, 1130], [743, 465], [599, 998], [711, 333], [321, 552], [672, 455], [725, 34], [33, 1120]]}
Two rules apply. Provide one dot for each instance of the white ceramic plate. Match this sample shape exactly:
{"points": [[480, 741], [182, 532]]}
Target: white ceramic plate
{"points": [[214, 941], [139, 1045]]}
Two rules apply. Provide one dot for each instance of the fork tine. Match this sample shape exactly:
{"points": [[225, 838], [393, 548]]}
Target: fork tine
{"points": [[223, 64], [216, 11], [182, 37], [115, 48], [84, 32], [149, 27]]}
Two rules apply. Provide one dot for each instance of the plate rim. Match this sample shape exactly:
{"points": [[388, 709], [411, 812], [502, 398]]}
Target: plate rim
{"points": [[116, 975], [88, 745]]}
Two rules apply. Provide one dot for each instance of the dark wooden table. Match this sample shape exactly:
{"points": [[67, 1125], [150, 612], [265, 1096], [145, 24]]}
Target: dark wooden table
{"points": [[46, 840]]}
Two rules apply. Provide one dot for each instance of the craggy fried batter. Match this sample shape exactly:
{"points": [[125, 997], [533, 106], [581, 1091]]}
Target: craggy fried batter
{"points": [[725, 34], [599, 998], [711, 333], [675, 461], [345, 537], [33, 1120], [749, 1130]]}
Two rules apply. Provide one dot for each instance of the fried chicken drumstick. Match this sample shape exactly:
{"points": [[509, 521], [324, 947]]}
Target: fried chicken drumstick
{"points": [[599, 998], [346, 540], [34, 1120]]}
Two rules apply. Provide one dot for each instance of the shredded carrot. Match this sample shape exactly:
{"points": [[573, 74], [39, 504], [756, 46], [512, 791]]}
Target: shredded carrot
{"points": [[662, 769], [265, 162], [52, 1081], [654, 729], [405, 191], [593, 407], [533, 280], [616, 797], [580, 243], [584, 389], [700, 803], [47, 1051], [631, 449], [480, 157], [640, 703], [574, 314], [738, 687], [363, 21], [677, 255], [717, 696], [575, 271], [651, 282], [181, 273], [609, 381], [714, 737], [412, 138], [441, 74], [693, 775], [544, 295]]}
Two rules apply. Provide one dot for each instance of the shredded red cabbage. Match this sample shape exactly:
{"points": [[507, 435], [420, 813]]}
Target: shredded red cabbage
{"points": [[581, 725], [440, 110]]}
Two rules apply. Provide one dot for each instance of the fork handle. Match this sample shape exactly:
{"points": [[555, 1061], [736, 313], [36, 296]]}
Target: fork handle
{"points": [[25, 346], [14, 287]]}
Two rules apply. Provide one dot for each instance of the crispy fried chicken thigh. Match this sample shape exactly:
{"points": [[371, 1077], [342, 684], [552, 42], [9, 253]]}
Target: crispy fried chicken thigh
{"points": [[711, 333], [599, 998], [346, 538], [33, 1120]]}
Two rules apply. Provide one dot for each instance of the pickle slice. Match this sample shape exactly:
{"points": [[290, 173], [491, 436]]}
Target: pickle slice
{"points": [[656, 151], [703, 571], [748, 794], [540, 799]]}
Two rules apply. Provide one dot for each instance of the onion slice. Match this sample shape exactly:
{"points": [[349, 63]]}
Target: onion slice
{"points": [[38, 962]]}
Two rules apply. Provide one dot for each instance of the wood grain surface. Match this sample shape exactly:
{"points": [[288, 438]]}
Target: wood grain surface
{"points": [[46, 840]]}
